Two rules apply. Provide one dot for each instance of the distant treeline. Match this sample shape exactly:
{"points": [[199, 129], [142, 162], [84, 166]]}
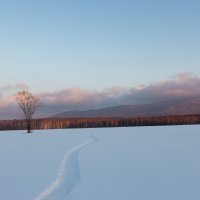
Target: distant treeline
{"points": [[63, 123]]}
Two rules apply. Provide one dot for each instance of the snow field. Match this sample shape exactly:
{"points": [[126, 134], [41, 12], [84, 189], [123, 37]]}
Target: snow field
{"points": [[141, 163]]}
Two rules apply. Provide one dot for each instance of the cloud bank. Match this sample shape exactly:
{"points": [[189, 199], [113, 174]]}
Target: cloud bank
{"points": [[177, 86]]}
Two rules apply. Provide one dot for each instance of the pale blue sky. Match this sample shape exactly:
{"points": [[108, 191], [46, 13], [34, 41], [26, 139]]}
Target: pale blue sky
{"points": [[95, 44]]}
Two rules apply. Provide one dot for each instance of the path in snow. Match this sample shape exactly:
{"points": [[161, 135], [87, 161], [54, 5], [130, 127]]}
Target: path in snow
{"points": [[68, 175]]}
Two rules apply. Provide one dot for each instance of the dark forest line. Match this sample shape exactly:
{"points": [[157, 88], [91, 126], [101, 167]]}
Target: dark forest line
{"points": [[64, 123]]}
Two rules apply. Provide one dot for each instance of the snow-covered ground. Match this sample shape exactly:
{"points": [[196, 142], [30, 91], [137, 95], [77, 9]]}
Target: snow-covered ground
{"points": [[142, 163]]}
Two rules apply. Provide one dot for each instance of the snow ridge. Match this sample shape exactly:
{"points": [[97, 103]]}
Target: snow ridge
{"points": [[68, 175]]}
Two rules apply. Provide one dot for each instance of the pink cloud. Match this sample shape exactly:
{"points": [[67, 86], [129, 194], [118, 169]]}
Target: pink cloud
{"points": [[7, 91], [15, 87], [183, 85], [180, 85]]}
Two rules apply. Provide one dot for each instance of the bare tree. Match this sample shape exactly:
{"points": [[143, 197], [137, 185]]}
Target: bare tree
{"points": [[29, 104]]}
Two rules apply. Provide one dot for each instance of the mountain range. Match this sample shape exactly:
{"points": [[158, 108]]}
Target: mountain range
{"points": [[181, 106]]}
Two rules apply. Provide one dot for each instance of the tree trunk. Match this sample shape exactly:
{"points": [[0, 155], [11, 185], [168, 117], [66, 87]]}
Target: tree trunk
{"points": [[29, 126]]}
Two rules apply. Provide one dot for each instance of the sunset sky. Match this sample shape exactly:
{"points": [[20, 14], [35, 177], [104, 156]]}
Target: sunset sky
{"points": [[94, 53]]}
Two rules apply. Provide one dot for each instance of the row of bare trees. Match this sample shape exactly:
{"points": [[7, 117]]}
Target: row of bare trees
{"points": [[51, 123]]}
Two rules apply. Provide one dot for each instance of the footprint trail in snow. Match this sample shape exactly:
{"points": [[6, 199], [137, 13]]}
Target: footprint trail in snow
{"points": [[68, 176]]}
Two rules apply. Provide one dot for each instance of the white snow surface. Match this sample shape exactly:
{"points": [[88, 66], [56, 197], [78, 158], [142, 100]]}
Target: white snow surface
{"points": [[137, 163]]}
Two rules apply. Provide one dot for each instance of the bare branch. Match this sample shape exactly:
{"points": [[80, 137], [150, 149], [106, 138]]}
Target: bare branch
{"points": [[29, 105]]}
